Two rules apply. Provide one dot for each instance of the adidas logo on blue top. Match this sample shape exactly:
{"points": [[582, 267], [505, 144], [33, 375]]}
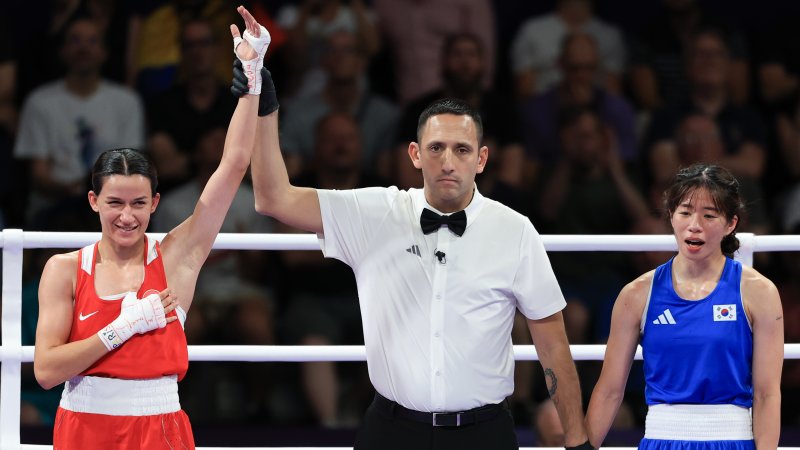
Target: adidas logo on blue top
{"points": [[665, 318]]}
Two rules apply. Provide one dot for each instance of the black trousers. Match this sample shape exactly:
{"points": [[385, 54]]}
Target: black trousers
{"points": [[383, 431]]}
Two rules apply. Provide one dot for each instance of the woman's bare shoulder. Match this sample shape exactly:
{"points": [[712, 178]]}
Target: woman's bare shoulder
{"points": [[753, 279], [62, 264], [758, 291], [640, 286]]}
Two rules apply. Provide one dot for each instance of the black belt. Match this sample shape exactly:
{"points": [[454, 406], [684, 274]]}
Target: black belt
{"points": [[447, 419]]}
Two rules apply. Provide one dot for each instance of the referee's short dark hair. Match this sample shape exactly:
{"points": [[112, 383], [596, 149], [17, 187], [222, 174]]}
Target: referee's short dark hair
{"points": [[450, 106]]}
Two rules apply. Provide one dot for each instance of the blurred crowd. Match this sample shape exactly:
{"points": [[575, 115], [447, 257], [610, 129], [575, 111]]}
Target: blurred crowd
{"points": [[589, 108]]}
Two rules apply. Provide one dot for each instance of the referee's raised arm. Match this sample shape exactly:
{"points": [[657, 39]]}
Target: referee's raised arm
{"points": [[297, 207]]}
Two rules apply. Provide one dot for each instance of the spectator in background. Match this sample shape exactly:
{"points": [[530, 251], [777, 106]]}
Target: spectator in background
{"points": [[708, 66], [65, 124], [464, 69], [779, 65], [200, 102], [782, 182], [579, 64], [536, 47], [589, 191], [153, 54], [698, 140], [415, 31], [345, 63], [8, 80], [784, 179], [657, 66], [308, 27], [9, 204], [39, 61], [326, 311]]}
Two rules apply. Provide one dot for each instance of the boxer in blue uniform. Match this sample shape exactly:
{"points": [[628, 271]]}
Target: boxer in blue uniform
{"points": [[711, 332]]}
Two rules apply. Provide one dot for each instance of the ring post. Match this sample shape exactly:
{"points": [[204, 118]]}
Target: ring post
{"points": [[10, 382]]}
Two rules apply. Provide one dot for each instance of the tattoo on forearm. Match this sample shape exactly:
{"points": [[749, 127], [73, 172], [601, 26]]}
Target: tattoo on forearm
{"points": [[551, 380]]}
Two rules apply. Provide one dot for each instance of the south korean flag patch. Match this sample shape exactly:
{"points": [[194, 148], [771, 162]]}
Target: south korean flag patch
{"points": [[724, 313]]}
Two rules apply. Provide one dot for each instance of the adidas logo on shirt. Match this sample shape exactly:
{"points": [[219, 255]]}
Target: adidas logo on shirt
{"points": [[665, 318], [414, 250]]}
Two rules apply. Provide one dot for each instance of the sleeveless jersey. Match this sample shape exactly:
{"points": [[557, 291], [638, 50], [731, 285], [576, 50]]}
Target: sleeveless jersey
{"points": [[151, 355], [697, 351]]}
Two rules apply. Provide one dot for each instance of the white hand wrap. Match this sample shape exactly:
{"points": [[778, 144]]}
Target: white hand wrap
{"points": [[137, 316], [252, 67]]}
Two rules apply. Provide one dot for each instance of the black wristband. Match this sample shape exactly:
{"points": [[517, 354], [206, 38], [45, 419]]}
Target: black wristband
{"points": [[268, 101], [239, 83], [585, 446]]}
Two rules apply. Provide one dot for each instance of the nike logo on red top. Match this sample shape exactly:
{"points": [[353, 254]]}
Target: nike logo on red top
{"points": [[81, 317]]}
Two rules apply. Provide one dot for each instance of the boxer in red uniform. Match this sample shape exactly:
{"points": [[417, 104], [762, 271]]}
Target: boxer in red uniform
{"points": [[111, 314]]}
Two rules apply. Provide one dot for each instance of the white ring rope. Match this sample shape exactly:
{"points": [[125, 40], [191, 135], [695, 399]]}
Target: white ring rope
{"points": [[13, 354], [552, 242], [344, 353]]}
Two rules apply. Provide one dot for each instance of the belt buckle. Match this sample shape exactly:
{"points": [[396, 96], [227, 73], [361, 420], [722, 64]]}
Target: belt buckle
{"points": [[436, 424]]}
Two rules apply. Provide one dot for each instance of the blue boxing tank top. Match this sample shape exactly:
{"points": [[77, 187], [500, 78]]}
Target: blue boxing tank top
{"points": [[697, 351]]}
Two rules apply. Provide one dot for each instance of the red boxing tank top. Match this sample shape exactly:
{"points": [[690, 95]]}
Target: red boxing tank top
{"points": [[151, 355]]}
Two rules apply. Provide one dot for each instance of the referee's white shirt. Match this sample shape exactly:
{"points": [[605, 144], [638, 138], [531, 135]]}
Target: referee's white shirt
{"points": [[438, 333]]}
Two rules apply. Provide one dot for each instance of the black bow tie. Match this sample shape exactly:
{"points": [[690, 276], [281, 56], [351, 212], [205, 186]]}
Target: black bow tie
{"points": [[430, 221]]}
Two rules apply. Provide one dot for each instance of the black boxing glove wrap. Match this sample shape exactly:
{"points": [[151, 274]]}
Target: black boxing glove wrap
{"points": [[267, 100]]}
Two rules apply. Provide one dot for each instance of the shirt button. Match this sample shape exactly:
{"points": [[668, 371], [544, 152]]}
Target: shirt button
{"points": [[437, 334], [438, 296], [438, 373]]}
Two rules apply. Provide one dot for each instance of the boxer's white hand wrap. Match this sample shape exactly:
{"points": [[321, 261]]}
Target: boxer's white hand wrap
{"points": [[136, 316], [252, 67]]}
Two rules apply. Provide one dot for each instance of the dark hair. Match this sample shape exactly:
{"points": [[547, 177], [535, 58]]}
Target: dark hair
{"points": [[721, 185], [323, 121], [196, 20], [567, 40], [358, 46], [451, 40], [712, 31], [449, 106], [570, 115], [123, 161], [80, 17]]}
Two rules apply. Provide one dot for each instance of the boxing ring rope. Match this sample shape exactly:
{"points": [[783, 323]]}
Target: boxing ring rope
{"points": [[13, 354]]}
